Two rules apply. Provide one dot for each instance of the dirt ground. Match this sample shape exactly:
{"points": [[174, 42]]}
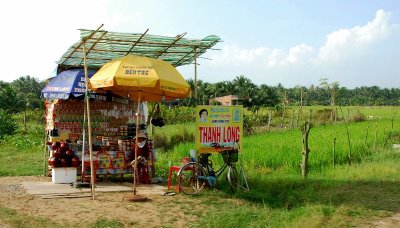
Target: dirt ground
{"points": [[157, 211]]}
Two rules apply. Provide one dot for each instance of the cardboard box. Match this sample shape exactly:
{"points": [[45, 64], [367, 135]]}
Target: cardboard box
{"points": [[64, 175]]}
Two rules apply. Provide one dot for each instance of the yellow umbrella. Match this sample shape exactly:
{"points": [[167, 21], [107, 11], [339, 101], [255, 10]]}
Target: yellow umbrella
{"points": [[142, 79], [132, 75]]}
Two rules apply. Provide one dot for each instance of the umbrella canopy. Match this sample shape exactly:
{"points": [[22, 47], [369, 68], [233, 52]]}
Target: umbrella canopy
{"points": [[141, 78], [134, 76], [66, 84]]}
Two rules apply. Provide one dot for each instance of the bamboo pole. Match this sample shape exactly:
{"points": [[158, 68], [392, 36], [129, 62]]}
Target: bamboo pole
{"points": [[136, 146], [83, 140], [92, 174], [195, 75]]}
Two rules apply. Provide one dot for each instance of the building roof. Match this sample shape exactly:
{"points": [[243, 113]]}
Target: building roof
{"points": [[102, 46]]}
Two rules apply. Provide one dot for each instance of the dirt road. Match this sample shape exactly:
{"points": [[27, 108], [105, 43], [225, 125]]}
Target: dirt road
{"points": [[158, 211]]}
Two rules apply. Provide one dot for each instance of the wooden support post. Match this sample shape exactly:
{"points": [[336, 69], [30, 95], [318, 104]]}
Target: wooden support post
{"points": [[292, 119], [393, 117], [305, 130], [269, 119], [366, 133], [334, 152], [336, 113], [299, 116], [376, 133]]}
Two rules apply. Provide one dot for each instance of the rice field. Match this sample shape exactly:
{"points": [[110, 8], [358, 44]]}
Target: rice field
{"points": [[329, 144]]}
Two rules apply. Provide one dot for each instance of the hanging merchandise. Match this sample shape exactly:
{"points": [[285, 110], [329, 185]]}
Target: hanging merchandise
{"points": [[158, 121], [113, 133]]}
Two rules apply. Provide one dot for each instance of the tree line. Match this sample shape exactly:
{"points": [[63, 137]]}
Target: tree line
{"points": [[325, 93], [24, 94]]}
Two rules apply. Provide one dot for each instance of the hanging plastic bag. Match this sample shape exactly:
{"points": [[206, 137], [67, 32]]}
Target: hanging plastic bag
{"points": [[158, 121]]}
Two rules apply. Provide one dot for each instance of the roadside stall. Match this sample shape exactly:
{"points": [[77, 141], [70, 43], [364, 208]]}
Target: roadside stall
{"points": [[112, 136], [98, 47]]}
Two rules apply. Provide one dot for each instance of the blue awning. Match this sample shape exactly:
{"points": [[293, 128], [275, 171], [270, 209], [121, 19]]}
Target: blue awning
{"points": [[66, 84]]}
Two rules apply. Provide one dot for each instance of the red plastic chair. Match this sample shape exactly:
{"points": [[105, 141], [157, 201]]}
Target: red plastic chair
{"points": [[175, 168]]}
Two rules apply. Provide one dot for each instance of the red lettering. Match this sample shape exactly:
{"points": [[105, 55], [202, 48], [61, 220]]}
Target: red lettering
{"points": [[231, 134]]}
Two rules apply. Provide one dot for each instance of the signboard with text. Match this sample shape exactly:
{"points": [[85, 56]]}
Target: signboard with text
{"points": [[219, 128]]}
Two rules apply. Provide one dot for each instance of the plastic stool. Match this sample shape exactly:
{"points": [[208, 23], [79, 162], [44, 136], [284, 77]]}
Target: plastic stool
{"points": [[171, 169], [86, 166], [176, 168]]}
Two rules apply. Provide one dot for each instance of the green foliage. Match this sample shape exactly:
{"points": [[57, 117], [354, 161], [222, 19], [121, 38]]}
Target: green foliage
{"points": [[7, 124], [249, 124], [392, 137], [179, 114], [8, 98]]}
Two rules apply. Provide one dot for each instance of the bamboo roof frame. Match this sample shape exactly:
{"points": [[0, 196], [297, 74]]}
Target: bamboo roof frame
{"points": [[103, 46]]}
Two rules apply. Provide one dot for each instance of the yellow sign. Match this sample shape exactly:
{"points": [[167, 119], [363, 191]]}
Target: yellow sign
{"points": [[219, 128]]}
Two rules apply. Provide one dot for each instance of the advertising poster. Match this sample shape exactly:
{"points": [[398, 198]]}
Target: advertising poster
{"points": [[219, 128]]}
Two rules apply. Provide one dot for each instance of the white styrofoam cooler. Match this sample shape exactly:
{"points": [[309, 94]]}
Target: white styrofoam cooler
{"points": [[65, 175]]}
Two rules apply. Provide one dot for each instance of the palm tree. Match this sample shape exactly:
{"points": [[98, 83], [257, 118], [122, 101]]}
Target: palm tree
{"points": [[8, 98]]}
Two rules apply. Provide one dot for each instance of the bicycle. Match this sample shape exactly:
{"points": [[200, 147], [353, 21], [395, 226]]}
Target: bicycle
{"points": [[194, 176]]}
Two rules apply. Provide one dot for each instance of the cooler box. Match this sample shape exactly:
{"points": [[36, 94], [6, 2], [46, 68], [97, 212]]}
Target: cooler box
{"points": [[65, 175]]}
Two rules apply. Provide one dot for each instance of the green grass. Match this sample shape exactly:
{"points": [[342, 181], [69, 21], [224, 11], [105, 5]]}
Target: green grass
{"points": [[15, 219], [332, 196], [343, 196]]}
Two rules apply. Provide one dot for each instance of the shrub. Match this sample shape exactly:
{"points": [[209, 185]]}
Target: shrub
{"points": [[358, 117], [7, 125], [176, 115], [161, 141], [325, 116], [392, 137]]}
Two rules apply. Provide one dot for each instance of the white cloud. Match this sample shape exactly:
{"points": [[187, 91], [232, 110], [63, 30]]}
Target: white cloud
{"points": [[344, 41], [232, 55], [296, 55], [344, 56]]}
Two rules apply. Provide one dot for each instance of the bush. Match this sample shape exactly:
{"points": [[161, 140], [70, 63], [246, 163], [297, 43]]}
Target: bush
{"points": [[325, 116], [392, 137], [178, 114], [7, 124], [358, 117]]}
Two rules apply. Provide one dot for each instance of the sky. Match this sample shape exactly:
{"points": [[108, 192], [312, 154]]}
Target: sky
{"points": [[291, 42]]}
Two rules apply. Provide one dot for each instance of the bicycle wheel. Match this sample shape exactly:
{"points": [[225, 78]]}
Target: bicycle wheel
{"points": [[192, 177], [233, 178]]}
